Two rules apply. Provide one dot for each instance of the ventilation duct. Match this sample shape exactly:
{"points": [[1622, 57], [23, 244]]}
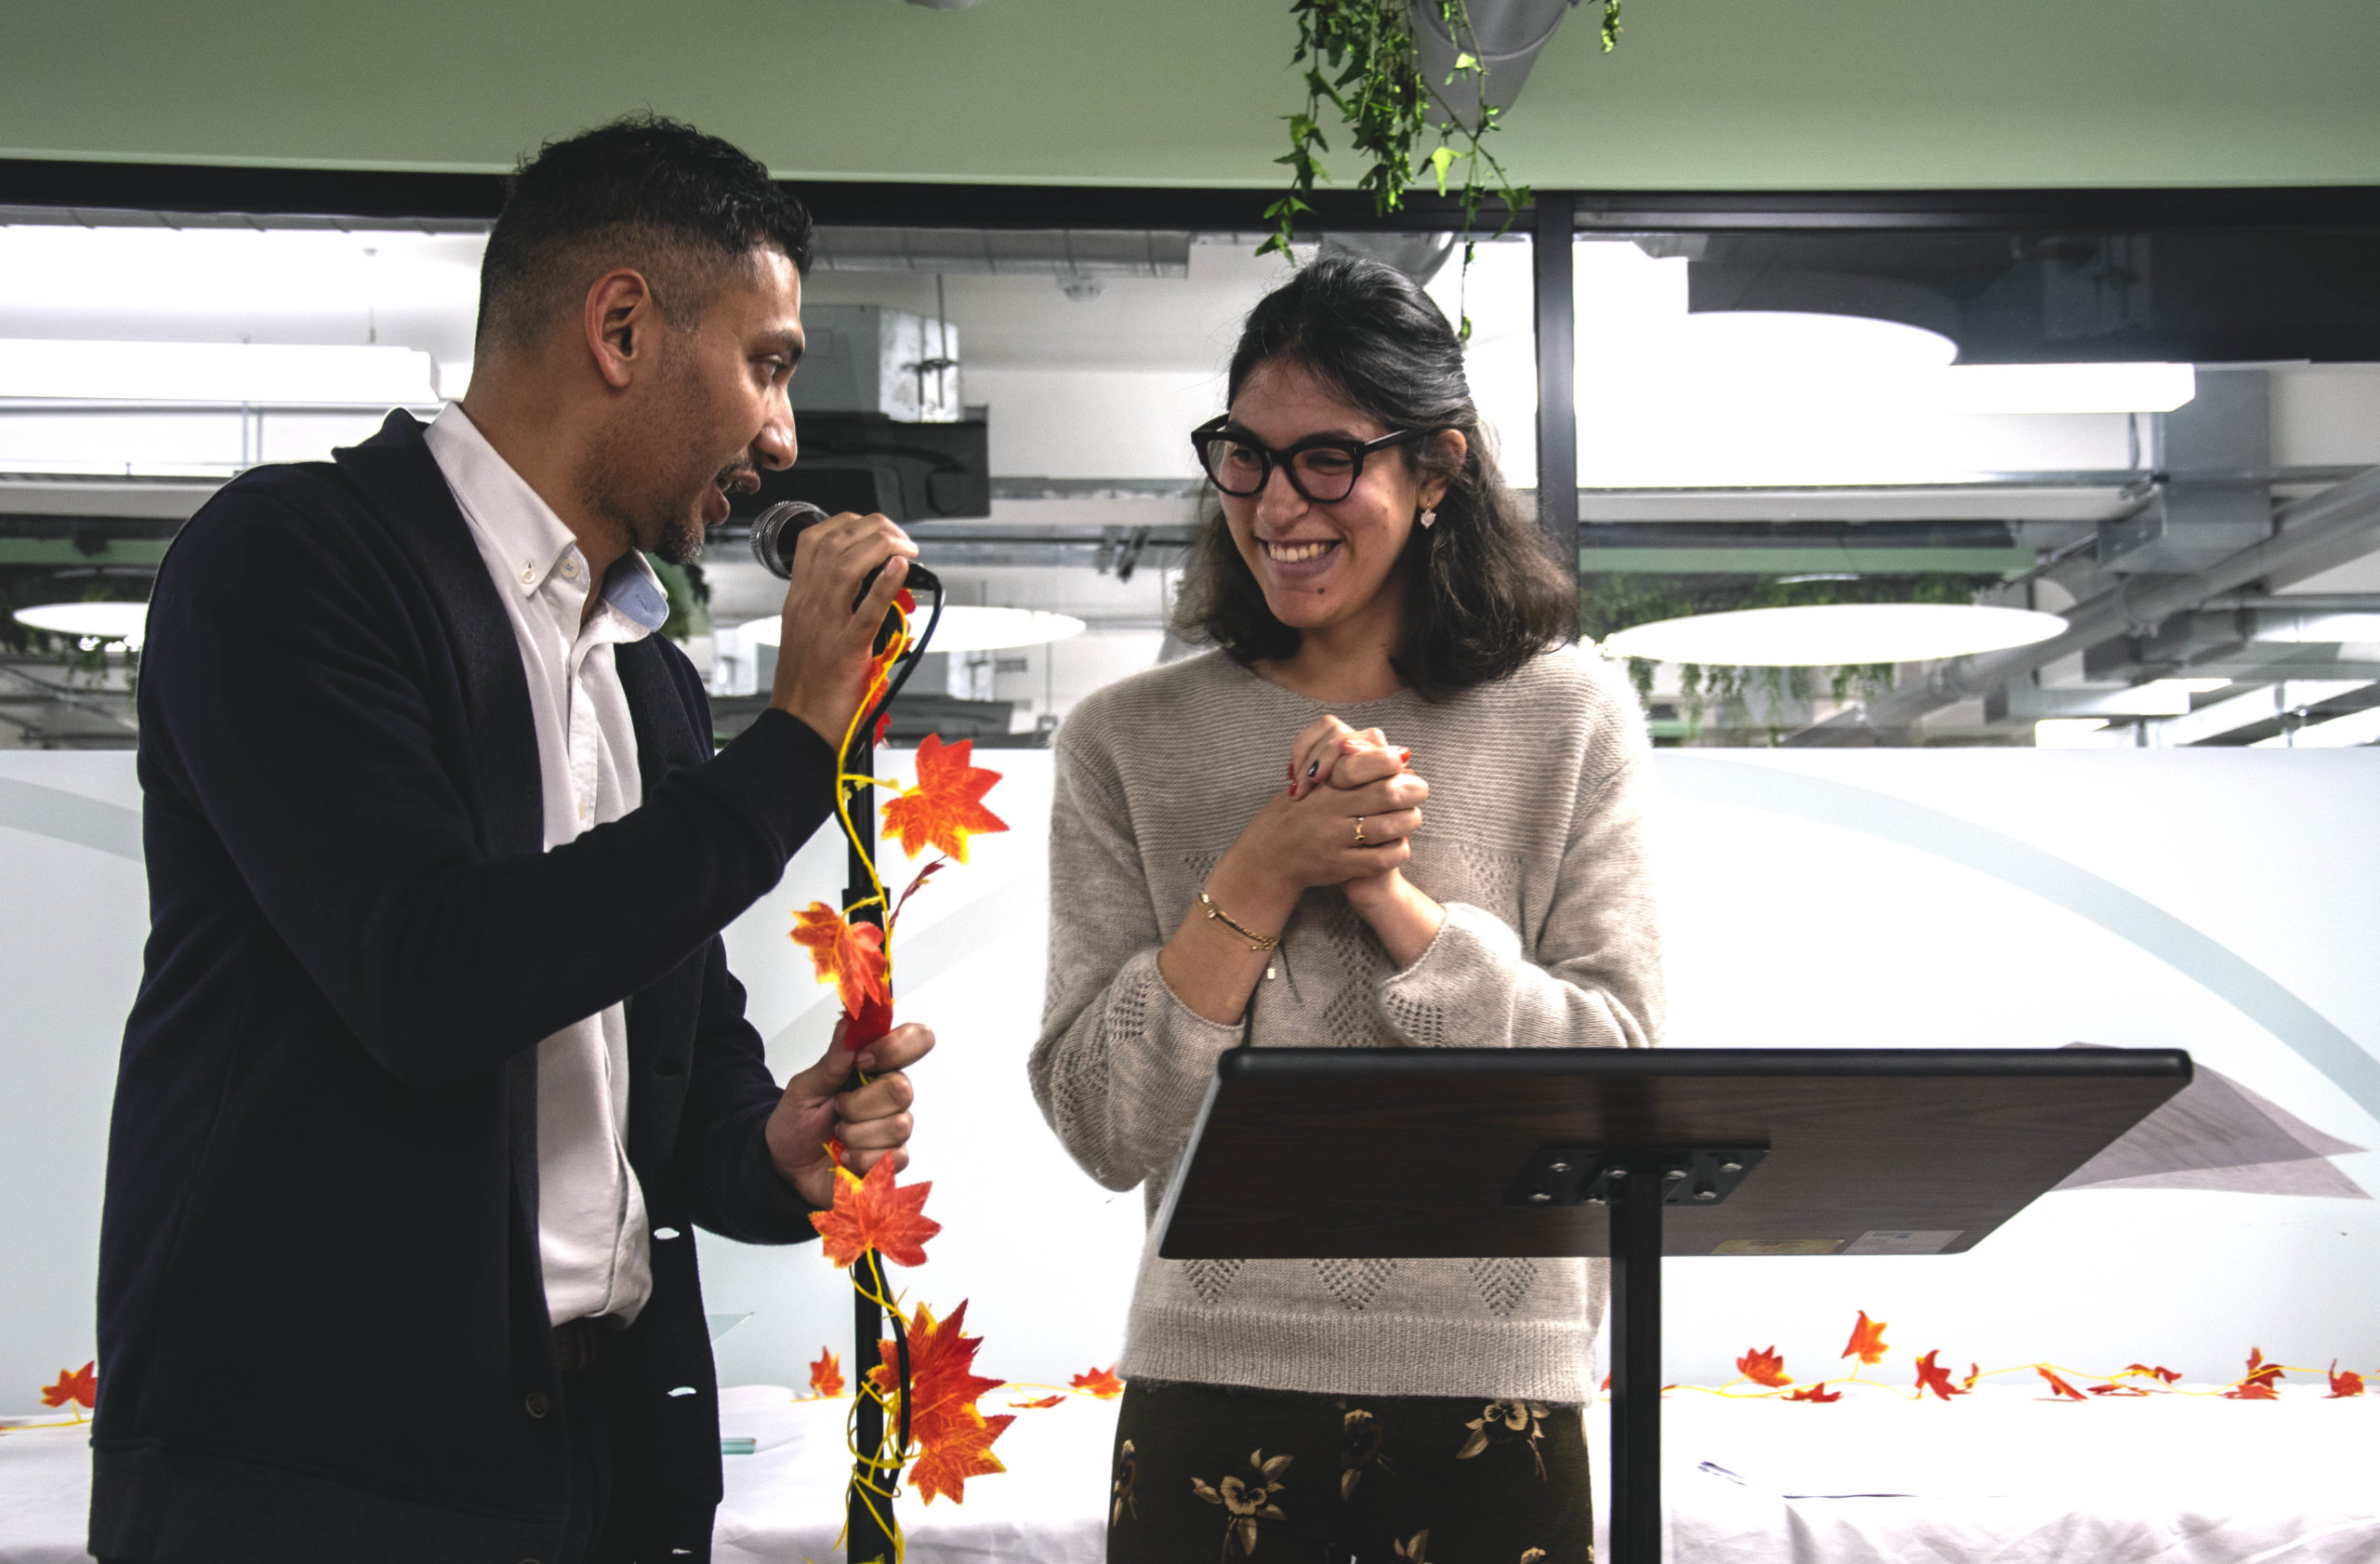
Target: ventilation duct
{"points": [[1032, 252], [1505, 36]]}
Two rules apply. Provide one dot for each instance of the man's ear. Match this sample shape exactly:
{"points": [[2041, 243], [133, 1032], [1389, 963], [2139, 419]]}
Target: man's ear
{"points": [[621, 319]]}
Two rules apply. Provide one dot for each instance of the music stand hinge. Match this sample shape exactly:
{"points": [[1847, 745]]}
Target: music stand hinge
{"points": [[1571, 1175]]}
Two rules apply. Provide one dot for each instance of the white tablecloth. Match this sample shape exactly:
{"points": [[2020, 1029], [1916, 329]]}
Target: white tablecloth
{"points": [[2000, 1475]]}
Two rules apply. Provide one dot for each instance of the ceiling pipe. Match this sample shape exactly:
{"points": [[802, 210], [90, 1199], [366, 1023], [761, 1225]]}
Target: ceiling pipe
{"points": [[2315, 534], [1504, 35]]}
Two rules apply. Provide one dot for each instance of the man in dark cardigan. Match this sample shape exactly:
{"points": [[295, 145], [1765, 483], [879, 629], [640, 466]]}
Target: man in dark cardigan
{"points": [[436, 1058]]}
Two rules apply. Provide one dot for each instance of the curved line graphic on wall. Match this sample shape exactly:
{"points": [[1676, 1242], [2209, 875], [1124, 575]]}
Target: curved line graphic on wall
{"points": [[64, 817], [2132, 918]]}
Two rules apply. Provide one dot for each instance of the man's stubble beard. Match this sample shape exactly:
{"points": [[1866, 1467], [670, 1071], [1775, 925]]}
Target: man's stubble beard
{"points": [[622, 480]]}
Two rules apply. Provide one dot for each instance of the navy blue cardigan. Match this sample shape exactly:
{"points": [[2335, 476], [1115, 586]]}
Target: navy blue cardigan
{"points": [[322, 1326]]}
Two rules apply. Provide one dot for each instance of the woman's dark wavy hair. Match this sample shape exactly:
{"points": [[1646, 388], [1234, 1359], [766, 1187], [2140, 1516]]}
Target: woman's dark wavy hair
{"points": [[1481, 596]]}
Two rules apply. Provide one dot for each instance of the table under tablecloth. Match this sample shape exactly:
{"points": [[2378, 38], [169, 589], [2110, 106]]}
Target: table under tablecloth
{"points": [[2001, 1476]]}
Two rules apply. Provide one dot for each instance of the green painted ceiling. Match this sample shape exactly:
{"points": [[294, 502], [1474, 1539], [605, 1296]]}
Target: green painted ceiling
{"points": [[1702, 94]]}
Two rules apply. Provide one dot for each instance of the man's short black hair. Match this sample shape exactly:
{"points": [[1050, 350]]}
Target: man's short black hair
{"points": [[682, 207]]}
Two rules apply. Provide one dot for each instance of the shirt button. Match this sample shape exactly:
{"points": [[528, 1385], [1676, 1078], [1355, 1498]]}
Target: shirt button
{"points": [[527, 576], [570, 569], [536, 1403]]}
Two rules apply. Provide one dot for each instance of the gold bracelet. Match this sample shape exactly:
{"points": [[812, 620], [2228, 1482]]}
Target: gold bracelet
{"points": [[1255, 940]]}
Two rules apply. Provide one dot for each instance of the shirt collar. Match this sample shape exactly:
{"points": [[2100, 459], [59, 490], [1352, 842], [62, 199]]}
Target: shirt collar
{"points": [[523, 530]]}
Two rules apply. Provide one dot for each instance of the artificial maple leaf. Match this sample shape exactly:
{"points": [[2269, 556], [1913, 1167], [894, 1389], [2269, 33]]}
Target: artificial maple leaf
{"points": [[2261, 1381], [2160, 1372], [851, 955], [2064, 1391], [2115, 1387], [2343, 1384], [1101, 1383], [911, 889], [1935, 1377], [1974, 1373], [826, 1374], [954, 1440], [966, 1451], [1761, 1366], [945, 808], [1818, 1392], [78, 1385], [1866, 1342], [876, 1213], [1044, 1401]]}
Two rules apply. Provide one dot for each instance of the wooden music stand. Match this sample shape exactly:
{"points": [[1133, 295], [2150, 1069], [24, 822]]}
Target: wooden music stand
{"points": [[1328, 1153]]}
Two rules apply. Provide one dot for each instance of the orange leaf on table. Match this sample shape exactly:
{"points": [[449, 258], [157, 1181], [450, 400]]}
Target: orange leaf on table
{"points": [[1974, 1373], [2160, 1372], [945, 808], [851, 955], [1935, 1377], [2064, 1391], [2116, 1387], [826, 1374], [1044, 1401], [2342, 1384], [78, 1385], [2261, 1382], [1761, 1366], [1818, 1392], [1866, 1342], [1101, 1383], [876, 1213]]}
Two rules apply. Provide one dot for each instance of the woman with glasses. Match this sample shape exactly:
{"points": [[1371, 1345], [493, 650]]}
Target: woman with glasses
{"points": [[1240, 852]]}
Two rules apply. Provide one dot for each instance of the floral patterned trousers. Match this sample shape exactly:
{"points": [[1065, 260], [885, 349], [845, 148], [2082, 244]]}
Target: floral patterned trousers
{"points": [[1208, 1474]]}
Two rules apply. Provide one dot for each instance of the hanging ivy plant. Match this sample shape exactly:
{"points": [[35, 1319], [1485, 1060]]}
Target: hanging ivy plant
{"points": [[1363, 59]]}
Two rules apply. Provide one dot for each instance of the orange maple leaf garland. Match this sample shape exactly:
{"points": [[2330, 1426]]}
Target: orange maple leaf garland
{"points": [[1818, 1392], [945, 808], [1101, 1383], [826, 1374], [80, 1386], [850, 956], [874, 1213], [1867, 1340], [954, 1440], [2059, 1388], [1761, 1366], [1935, 1377]]}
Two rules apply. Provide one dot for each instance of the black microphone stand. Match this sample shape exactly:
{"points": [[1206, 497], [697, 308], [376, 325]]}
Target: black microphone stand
{"points": [[869, 1537]]}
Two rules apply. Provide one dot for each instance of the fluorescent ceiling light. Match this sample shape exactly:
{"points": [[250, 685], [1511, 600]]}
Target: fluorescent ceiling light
{"points": [[230, 373], [2054, 388], [126, 622], [1836, 634], [2068, 733], [963, 628], [1792, 342]]}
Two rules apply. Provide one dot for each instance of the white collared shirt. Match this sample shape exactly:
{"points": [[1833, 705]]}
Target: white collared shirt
{"points": [[592, 1232]]}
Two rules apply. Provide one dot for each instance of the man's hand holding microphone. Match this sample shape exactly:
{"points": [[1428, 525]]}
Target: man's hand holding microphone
{"points": [[832, 616]]}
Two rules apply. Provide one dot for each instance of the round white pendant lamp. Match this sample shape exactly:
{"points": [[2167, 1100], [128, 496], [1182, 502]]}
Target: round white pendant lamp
{"points": [[126, 623], [1833, 635], [963, 628]]}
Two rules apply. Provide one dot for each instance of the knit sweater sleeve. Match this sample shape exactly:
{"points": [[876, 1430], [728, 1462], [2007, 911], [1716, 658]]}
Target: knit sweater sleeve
{"points": [[1593, 976], [1122, 1064]]}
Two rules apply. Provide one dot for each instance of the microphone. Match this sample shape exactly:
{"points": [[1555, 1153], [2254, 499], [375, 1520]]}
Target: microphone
{"points": [[777, 528]]}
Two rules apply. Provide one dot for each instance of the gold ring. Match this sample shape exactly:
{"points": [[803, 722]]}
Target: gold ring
{"points": [[1359, 832]]}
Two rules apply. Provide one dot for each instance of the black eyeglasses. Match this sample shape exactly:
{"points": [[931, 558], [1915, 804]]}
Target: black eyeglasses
{"points": [[1323, 467]]}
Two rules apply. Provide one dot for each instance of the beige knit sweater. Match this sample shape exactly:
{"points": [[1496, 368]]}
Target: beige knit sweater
{"points": [[1533, 839]]}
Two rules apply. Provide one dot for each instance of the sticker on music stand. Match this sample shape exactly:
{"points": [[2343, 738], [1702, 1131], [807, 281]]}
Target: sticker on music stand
{"points": [[1904, 1241]]}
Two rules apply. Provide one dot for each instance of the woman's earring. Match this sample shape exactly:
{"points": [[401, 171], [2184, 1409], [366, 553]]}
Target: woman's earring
{"points": [[1429, 519]]}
